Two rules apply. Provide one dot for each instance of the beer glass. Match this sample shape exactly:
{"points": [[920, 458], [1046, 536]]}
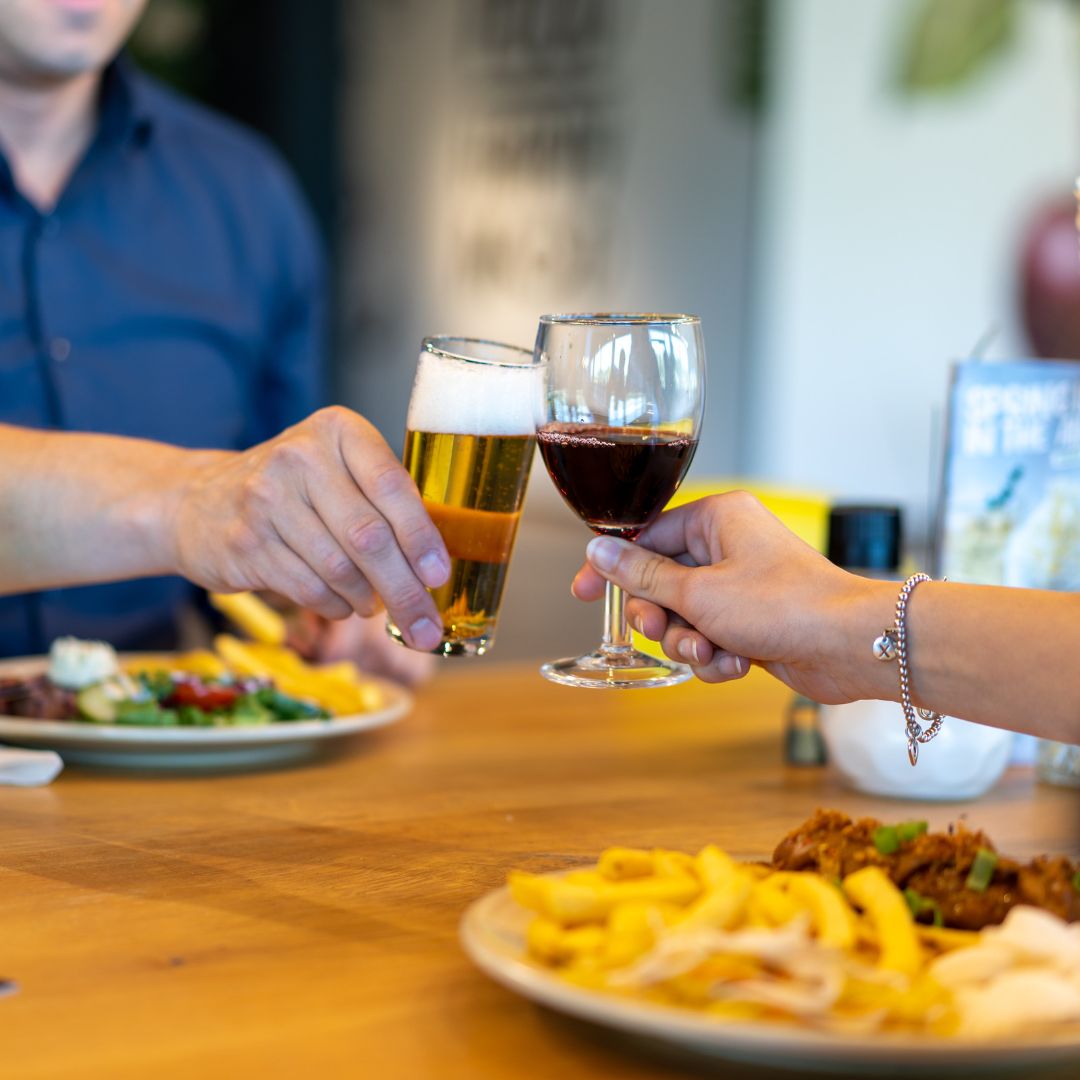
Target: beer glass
{"points": [[469, 443], [623, 409]]}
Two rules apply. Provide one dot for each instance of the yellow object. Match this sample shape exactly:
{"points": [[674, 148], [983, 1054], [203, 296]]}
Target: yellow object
{"points": [[695, 931], [257, 619], [716, 868], [885, 907], [201, 662], [292, 676], [571, 903], [338, 688], [771, 905], [720, 908], [805, 513], [616, 864], [241, 658], [632, 930], [945, 938], [834, 921]]}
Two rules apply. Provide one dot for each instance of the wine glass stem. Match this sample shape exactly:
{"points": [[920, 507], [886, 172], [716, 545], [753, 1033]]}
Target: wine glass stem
{"points": [[616, 632]]}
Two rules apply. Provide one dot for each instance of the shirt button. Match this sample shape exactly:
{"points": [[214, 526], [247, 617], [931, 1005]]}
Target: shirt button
{"points": [[50, 227], [59, 349]]}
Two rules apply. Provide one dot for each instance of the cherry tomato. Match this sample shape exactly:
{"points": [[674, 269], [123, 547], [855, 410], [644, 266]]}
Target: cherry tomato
{"points": [[207, 698]]}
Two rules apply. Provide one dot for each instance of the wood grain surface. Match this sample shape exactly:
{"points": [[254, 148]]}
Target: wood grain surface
{"points": [[304, 922]]}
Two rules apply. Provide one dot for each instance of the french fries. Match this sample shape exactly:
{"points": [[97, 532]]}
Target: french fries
{"points": [[885, 907], [332, 690], [339, 688], [257, 619], [740, 940]]}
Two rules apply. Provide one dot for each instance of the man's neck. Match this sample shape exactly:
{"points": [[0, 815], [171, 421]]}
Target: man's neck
{"points": [[44, 131]]}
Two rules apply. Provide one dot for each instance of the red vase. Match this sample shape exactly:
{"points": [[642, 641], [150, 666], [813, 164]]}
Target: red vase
{"points": [[1050, 281]]}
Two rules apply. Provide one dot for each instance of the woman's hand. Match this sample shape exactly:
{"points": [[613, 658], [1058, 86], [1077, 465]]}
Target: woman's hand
{"points": [[324, 514], [721, 583]]}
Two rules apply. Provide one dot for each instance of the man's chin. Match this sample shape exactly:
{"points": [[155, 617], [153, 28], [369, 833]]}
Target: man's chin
{"points": [[56, 66]]}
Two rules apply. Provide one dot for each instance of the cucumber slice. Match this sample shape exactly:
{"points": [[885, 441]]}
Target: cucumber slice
{"points": [[94, 704]]}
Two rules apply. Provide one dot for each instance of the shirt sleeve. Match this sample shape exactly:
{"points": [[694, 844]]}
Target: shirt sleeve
{"points": [[293, 367]]}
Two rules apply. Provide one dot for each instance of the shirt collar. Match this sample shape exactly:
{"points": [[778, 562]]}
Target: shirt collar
{"points": [[125, 114]]}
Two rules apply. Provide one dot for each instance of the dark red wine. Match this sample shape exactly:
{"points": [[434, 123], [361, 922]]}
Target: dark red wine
{"points": [[616, 479]]}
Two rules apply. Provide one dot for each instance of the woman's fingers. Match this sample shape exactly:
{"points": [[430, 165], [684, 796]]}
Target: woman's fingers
{"points": [[685, 644], [641, 572], [647, 618], [723, 667]]}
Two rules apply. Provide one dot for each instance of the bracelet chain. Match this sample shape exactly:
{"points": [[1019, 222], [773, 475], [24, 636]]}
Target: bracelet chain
{"points": [[892, 645]]}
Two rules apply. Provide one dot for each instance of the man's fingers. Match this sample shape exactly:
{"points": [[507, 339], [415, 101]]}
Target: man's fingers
{"points": [[306, 535], [389, 488], [296, 581], [369, 541]]}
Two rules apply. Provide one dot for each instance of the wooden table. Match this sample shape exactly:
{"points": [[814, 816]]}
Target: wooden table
{"points": [[304, 922]]}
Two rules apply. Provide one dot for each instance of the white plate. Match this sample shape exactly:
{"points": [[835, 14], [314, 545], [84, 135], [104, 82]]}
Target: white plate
{"points": [[131, 747], [493, 933]]}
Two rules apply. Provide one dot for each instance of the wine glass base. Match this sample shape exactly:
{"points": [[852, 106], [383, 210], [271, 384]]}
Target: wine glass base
{"points": [[622, 669]]}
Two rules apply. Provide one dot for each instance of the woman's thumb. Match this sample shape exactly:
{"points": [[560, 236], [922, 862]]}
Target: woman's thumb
{"points": [[638, 570]]}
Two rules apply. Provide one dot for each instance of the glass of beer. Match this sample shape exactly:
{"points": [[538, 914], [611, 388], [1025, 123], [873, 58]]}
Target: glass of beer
{"points": [[469, 443], [624, 400]]}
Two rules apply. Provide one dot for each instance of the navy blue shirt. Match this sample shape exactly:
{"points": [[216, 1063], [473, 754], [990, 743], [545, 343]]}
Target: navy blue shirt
{"points": [[176, 292]]}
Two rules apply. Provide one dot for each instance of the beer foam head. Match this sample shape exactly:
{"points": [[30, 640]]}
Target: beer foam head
{"points": [[454, 396]]}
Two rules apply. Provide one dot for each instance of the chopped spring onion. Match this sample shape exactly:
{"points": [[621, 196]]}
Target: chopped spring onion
{"points": [[920, 904], [887, 840], [908, 830], [1076, 881], [982, 870]]}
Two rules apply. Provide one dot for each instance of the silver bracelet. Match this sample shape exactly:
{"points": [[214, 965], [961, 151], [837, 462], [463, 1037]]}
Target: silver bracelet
{"points": [[892, 645]]}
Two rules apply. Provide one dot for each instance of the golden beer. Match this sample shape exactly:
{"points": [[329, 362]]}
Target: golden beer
{"points": [[469, 447], [473, 487]]}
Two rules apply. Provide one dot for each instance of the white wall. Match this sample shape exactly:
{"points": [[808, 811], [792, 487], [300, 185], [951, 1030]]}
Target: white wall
{"points": [[886, 236]]}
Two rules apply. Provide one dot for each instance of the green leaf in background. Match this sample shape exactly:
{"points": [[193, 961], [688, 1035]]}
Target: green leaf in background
{"points": [[948, 41]]}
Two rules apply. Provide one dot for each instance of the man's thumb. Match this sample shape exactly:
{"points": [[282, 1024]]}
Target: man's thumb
{"points": [[639, 571]]}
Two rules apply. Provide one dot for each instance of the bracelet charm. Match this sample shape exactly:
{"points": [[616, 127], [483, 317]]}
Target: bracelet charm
{"points": [[891, 644]]}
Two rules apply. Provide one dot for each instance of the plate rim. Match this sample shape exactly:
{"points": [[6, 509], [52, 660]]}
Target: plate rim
{"points": [[491, 932], [73, 734]]}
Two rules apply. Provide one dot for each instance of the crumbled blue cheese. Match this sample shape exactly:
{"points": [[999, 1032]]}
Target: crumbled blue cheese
{"points": [[74, 663]]}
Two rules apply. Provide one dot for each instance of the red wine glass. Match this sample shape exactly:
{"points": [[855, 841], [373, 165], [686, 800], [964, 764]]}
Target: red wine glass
{"points": [[624, 403]]}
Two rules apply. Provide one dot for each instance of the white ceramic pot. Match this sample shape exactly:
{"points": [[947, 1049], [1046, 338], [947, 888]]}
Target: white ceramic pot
{"points": [[867, 744]]}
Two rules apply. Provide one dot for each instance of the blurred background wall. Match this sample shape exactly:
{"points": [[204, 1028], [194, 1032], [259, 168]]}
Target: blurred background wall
{"points": [[889, 232], [509, 157], [841, 188]]}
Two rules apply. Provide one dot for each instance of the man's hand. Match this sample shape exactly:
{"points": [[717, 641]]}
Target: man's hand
{"points": [[362, 640], [324, 514]]}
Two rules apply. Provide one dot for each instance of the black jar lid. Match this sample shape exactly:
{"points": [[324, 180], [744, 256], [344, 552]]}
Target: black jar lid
{"points": [[865, 537]]}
